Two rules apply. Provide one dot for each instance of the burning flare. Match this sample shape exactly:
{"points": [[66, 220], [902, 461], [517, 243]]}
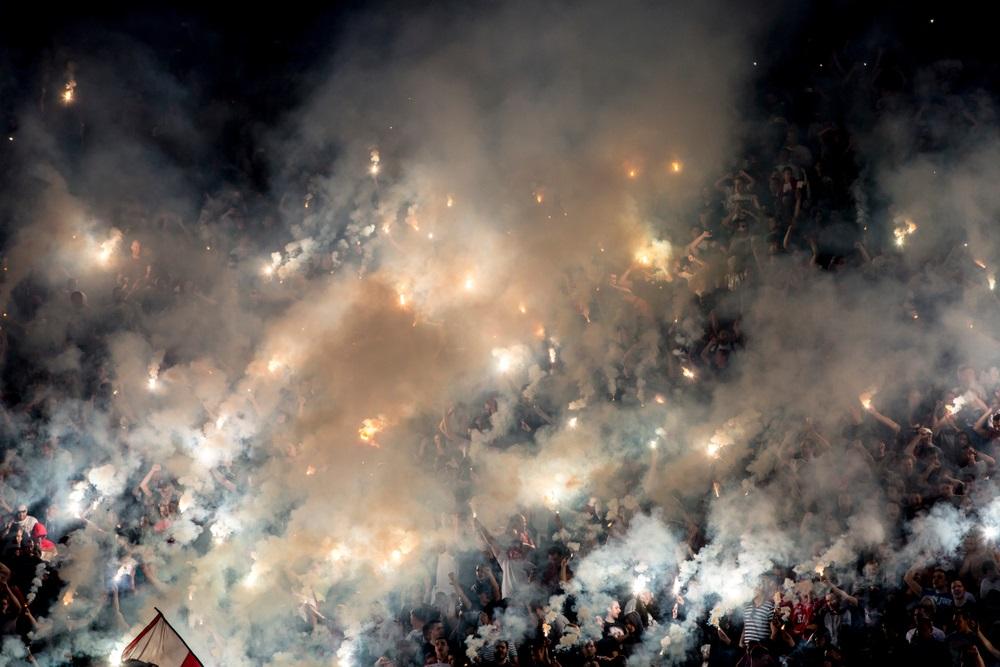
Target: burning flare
{"points": [[904, 227], [369, 429]]}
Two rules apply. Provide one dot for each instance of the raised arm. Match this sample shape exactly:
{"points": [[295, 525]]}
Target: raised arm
{"points": [[459, 591], [144, 484]]}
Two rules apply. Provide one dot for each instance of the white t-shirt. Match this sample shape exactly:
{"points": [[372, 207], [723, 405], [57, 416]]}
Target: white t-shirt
{"points": [[515, 572], [445, 565], [26, 524]]}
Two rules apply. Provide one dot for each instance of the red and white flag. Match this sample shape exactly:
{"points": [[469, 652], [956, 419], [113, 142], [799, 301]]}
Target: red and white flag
{"points": [[160, 645]]}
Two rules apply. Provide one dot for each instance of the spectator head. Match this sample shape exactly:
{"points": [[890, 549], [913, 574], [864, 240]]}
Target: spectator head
{"points": [[589, 649], [614, 610], [418, 618], [22, 512], [555, 555], [939, 580], [502, 650], [925, 628], [633, 624], [441, 649], [434, 630], [957, 590]]}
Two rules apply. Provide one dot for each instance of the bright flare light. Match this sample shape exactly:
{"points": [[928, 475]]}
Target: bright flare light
{"points": [[374, 160], [676, 166], [904, 228], [469, 284], [991, 532], [369, 429], [866, 399], [957, 405]]}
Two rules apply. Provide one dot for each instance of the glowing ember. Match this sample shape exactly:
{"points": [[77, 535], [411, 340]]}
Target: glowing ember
{"points": [[904, 227], [369, 429]]}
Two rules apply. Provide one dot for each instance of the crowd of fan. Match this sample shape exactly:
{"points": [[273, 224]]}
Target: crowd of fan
{"points": [[790, 205], [788, 208]]}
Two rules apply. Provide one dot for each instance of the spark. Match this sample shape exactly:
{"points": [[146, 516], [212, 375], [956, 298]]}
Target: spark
{"points": [[991, 532], [820, 569], [552, 355], [369, 429], [957, 405], [115, 658], [539, 197], [633, 172], [374, 160], [904, 228], [660, 399], [688, 373], [310, 471], [653, 443], [991, 281], [268, 270], [676, 166], [469, 284], [522, 308], [866, 399], [715, 489], [980, 263], [67, 598], [69, 92], [504, 363], [151, 384], [106, 248], [274, 365], [449, 202], [572, 422], [402, 300]]}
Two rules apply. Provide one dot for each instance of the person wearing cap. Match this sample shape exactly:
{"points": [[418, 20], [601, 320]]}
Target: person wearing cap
{"points": [[46, 547], [22, 521]]}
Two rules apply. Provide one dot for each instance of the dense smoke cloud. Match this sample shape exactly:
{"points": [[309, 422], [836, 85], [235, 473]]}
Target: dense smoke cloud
{"points": [[453, 210]]}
